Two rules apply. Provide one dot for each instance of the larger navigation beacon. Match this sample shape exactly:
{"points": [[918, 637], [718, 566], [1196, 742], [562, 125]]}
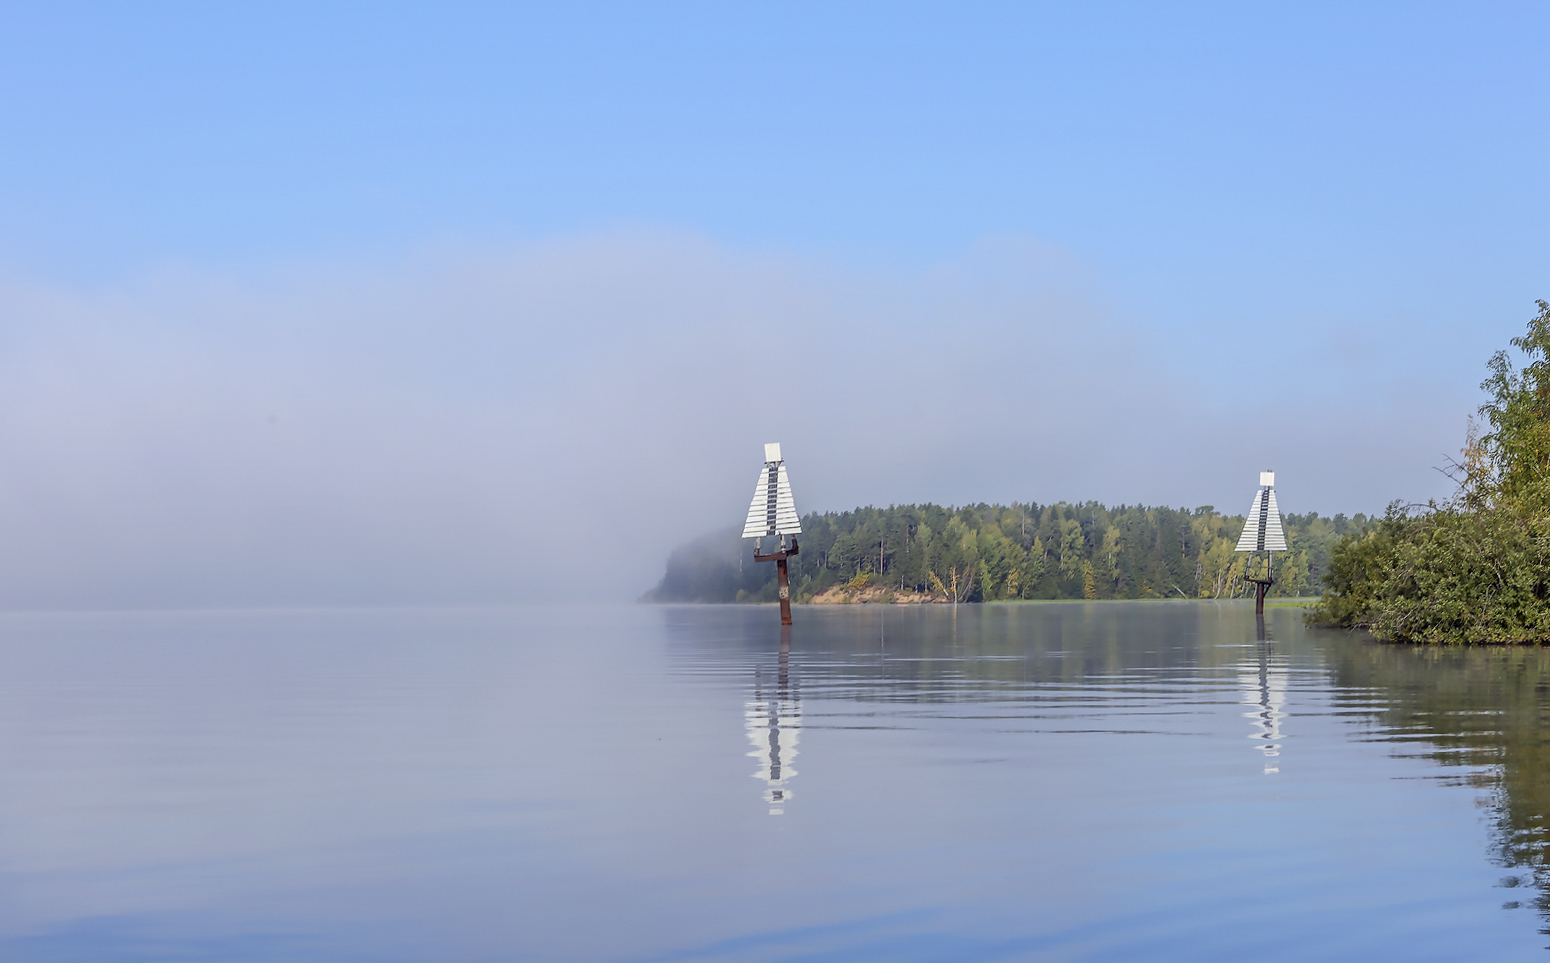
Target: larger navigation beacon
{"points": [[774, 513], [1262, 533]]}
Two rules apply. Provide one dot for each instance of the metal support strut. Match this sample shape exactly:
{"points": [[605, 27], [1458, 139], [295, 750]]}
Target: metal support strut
{"points": [[1261, 586], [782, 577]]}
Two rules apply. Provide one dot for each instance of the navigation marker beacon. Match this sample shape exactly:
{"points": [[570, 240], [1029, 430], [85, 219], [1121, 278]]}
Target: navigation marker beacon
{"points": [[772, 512], [1262, 533]]}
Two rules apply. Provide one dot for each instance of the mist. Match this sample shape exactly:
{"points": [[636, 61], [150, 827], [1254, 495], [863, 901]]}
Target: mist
{"points": [[492, 423]]}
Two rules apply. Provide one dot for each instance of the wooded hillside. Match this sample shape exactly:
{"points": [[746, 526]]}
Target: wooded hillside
{"points": [[983, 553]]}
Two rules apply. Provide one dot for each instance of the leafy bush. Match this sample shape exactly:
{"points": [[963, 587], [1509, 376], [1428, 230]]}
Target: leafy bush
{"points": [[1473, 569]]}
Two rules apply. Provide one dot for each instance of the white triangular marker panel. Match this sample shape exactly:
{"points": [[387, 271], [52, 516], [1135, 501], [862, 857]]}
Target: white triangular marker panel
{"points": [[786, 520], [772, 511], [1262, 532]]}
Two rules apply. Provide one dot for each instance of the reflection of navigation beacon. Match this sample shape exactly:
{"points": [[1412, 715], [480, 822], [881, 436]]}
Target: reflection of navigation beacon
{"points": [[1262, 534], [1264, 688], [774, 513], [773, 720]]}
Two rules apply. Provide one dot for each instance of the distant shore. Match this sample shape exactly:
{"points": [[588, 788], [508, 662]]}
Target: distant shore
{"points": [[919, 554], [876, 596]]}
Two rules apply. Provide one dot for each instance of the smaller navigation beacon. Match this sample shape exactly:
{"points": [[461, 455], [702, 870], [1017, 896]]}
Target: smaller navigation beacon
{"points": [[772, 512], [1262, 535]]}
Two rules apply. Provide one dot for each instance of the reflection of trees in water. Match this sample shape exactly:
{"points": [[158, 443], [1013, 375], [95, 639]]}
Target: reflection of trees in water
{"points": [[1053, 662], [1482, 712], [1485, 709], [933, 657]]}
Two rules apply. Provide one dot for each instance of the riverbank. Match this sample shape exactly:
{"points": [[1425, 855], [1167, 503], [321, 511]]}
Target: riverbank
{"points": [[877, 595]]}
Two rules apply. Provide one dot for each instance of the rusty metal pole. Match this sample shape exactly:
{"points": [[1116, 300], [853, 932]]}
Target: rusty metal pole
{"points": [[783, 580], [782, 576], [1262, 585]]}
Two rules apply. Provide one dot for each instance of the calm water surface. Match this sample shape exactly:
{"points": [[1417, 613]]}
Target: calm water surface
{"points": [[1109, 781]]}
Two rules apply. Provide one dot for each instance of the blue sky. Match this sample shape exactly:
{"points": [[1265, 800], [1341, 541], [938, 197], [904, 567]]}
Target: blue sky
{"points": [[1185, 147], [1200, 217]]}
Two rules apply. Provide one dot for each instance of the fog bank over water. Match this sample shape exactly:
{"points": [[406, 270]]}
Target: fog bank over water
{"points": [[488, 424]]}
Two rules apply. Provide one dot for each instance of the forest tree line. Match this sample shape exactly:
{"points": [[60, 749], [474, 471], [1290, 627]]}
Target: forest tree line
{"points": [[991, 553]]}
